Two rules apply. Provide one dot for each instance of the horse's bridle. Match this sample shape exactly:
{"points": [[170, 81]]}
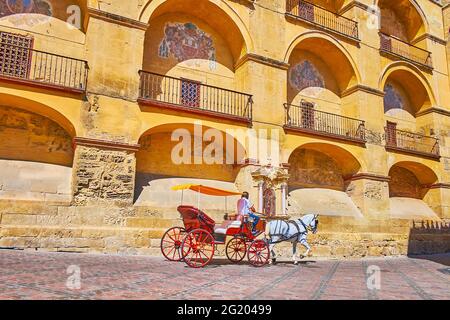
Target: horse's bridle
{"points": [[308, 227]]}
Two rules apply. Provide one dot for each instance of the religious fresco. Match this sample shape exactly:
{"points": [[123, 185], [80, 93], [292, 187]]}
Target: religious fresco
{"points": [[186, 42], [269, 200], [392, 98], [305, 75], [11, 7]]}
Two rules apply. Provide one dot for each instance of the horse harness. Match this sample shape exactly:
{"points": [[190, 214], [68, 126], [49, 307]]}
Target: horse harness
{"points": [[282, 237]]}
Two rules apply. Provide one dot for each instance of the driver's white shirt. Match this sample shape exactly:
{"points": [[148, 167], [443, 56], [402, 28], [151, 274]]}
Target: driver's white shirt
{"points": [[244, 206]]}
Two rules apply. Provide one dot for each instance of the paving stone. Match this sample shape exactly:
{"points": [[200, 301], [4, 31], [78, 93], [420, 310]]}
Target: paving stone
{"points": [[42, 275]]}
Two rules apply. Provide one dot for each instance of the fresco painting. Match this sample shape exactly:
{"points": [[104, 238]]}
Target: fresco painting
{"points": [[305, 75], [185, 41], [392, 98], [11, 7]]}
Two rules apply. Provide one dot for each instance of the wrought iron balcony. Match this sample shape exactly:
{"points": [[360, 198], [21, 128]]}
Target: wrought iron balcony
{"points": [[415, 143], [307, 120], [34, 67], [405, 51], [193, 96], [322, 18]]}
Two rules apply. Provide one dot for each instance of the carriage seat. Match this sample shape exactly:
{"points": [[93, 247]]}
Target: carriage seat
{"points": [[229, 224]]}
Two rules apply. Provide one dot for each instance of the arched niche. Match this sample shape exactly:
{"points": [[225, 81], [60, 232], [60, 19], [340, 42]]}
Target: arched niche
{"points": [[320, 71], [175, 154], [36, 156]]}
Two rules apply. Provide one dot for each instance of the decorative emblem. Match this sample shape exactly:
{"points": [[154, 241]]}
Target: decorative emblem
{"points": [[187, 42], [305, 75]]}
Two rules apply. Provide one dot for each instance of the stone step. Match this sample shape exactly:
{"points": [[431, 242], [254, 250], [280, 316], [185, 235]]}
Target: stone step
{"points": [[150, 222]]}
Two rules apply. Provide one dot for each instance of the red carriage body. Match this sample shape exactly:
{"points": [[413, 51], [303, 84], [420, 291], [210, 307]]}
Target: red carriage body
{"points": [[195, 243]]}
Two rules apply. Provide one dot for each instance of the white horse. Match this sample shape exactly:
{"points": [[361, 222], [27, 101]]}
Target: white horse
{"points": [[294, 231]]}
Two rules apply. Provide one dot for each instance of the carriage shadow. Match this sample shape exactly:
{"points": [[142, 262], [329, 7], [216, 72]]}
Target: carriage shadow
{"points": [[217, 263]]}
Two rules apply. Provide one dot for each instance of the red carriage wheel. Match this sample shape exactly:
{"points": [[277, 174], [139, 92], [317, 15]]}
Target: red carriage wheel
{"points": [[258, 253], [198, 248], [236, 249], [171, 243]]}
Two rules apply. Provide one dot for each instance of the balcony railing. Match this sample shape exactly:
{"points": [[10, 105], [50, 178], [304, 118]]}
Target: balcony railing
{"points": [[189, 95], [305, 119], [42, 68], [415, 143], [404, 50], [323, 18]]}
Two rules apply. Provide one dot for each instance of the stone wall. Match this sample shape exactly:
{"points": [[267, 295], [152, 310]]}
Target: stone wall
{"points": [[36, 157], [32, 137], [104, 176]]}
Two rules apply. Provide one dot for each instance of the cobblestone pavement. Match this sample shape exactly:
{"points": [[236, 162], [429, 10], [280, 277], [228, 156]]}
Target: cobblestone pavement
{"points": [[29, 275]]}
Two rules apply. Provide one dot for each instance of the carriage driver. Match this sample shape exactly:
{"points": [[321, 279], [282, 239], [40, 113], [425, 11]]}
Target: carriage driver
{"points": [[247, 210]]}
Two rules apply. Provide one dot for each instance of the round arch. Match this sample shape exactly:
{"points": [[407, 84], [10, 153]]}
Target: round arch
{"points": [[165, 160], [322, 35], [346, 161], [424, 174], [412, 70], [319, 180], [40, 109], [151, 7], [417, 8], [239, 150]]}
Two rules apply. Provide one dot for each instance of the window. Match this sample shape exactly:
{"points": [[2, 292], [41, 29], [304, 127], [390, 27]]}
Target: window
{"points": [[15, 54], [190, 93], [308, 119], [391, 134], [306, 11]]}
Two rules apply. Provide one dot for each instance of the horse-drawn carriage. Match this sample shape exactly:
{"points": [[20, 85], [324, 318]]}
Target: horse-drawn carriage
{"points": [[196, 242]]}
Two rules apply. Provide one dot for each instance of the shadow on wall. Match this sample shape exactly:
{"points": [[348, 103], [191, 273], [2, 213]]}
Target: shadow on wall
{"points": [[155, 191], [429, 237]]}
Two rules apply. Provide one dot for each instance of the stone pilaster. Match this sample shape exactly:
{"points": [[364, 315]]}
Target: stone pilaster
{"points": [[438, 198], [244, 181], [370, 193], [103, 173]]}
